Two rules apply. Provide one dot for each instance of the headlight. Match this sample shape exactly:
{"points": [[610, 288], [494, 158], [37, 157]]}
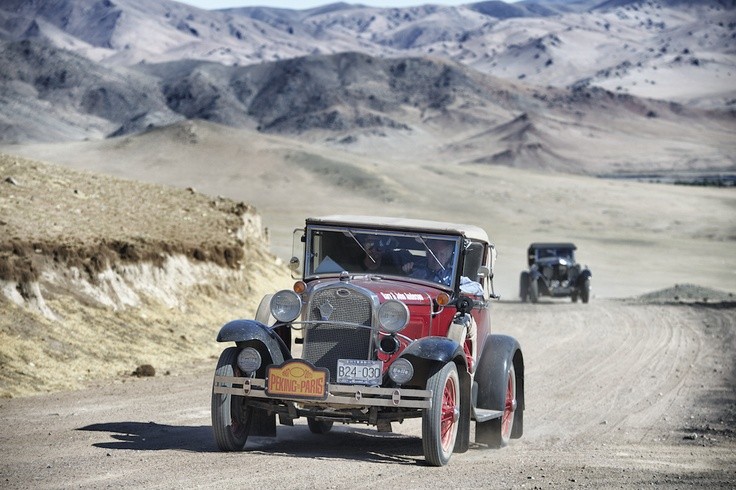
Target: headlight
{"points": [[393, 316], [401, 371], [249, 360], [286, 306]]}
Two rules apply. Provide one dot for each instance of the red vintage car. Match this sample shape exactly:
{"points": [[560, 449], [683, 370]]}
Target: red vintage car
{"points": [[389, 320]]}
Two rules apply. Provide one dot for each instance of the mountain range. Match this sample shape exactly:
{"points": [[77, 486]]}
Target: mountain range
{"points": [[531, 84]]}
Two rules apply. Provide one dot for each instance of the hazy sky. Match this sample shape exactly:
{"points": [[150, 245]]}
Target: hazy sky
{"points": [[305, 4]]}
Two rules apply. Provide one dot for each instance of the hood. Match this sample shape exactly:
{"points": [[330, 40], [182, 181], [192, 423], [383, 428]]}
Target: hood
{"points": [[409, 293]]}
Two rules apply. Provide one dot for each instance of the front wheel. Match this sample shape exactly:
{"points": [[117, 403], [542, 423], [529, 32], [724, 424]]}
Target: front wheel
{"points": [[585, 291], [533, 291], [440, 422], [524, 286], [230, 418], [497, 432]]}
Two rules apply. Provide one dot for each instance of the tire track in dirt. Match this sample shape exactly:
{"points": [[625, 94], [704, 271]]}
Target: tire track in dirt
{"points": [[602, 368]]}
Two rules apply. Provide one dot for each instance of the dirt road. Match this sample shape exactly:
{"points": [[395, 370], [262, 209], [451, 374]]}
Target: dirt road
{"points": [[619, 394]]}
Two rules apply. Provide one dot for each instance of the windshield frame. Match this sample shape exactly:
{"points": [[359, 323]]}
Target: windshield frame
{"points": [[353, 234]]}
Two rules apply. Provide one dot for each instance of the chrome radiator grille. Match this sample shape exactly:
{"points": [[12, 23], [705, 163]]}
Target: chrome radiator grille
{"points": [[325, 343]]}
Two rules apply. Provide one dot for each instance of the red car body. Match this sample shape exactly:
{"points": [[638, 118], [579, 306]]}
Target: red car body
{"points": [[390, 327]]}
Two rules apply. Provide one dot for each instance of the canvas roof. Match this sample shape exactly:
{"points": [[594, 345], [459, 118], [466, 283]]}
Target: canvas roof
{"points": [[405, 224]]}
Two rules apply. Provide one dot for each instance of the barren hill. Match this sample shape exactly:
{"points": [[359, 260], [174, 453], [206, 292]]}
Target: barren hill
{"points": [[608, 87], [360, 103], [89, 263], [670, 50]]}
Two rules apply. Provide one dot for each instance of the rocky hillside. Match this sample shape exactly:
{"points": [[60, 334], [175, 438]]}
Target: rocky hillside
{"points": [[631, 46], [99, 276]]}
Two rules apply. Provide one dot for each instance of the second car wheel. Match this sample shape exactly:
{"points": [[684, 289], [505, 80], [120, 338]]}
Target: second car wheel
{"points": [[440, 422], [585, 291], [533, 291], [524, 286]]}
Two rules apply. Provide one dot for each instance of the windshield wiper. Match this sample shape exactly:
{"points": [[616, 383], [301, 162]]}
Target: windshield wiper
{"points": [[421, 239], [352, 235]]}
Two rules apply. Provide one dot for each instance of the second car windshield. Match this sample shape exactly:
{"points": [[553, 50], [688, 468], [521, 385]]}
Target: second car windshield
{"points": [[359, 251]]}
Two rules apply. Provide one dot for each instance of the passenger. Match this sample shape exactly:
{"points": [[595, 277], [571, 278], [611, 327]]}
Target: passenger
{"points": [[376, 258]]}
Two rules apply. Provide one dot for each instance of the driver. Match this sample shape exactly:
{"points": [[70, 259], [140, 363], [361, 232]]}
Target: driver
{"points": [[439, 267], [439, 263]]}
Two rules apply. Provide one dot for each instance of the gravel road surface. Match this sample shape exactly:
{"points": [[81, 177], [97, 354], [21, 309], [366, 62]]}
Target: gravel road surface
{"points": [[619, 395]]}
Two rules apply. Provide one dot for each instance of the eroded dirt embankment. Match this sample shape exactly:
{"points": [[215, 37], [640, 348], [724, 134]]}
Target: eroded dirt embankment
{"points": [[101, 275]]}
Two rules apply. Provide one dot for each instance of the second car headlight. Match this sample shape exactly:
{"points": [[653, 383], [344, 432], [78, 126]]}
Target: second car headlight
{"points": [[393, 316], [286, 306]]}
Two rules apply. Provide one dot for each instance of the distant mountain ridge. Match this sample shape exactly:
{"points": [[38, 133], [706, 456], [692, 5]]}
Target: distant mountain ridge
{"points": [[595, 38], [345, 74]]}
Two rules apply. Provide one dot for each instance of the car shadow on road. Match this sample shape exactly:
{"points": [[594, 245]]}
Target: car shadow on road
{"points": [[342, 442], [151, 436]]}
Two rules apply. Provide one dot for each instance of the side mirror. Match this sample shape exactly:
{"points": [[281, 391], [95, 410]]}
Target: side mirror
{"points": [[297, 250], [485, 271], [294, 263]]}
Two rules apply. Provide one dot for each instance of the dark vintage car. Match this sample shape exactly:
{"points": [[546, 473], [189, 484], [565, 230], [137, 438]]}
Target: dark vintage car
{"points": [[554, 272], [394, 323]]}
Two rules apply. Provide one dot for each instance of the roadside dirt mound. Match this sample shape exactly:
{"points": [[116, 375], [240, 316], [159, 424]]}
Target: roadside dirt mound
{"points": [[688, 293], [99, 276]]}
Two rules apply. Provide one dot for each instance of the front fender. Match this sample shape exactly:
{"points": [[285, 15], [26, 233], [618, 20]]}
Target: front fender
{"points": [[242, 331], [534, 274], [429, 351], [434, 349], [584, 275]]}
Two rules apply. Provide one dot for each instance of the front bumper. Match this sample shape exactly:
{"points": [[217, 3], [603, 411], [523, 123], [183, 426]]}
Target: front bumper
{"points": [[338, 396]]}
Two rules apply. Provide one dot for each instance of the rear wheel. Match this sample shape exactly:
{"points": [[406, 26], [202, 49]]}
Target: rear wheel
{"points": [[585, 291], [533, 291], [230, 418], [319, 426], [440, 423], [497, 432]]}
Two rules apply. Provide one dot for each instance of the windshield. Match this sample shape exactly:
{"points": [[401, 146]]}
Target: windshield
{"points": [[555, 253], [428, 257]]}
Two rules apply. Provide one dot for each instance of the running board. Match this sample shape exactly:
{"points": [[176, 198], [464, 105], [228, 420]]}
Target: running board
{"points": [[484, 415]]}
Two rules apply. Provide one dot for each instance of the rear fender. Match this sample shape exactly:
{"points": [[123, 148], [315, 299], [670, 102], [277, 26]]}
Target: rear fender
{"points": [[499, 352]]}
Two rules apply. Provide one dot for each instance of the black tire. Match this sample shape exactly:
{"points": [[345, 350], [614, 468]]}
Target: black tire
{"points": [[533, 291], [585, 291], [574, 297], [440, 423], [524, 286], [319, 426], [231, 420], [497, 432]]}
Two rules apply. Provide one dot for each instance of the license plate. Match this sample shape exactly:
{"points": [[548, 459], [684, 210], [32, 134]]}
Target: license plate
{"points": [[359, 372]]}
